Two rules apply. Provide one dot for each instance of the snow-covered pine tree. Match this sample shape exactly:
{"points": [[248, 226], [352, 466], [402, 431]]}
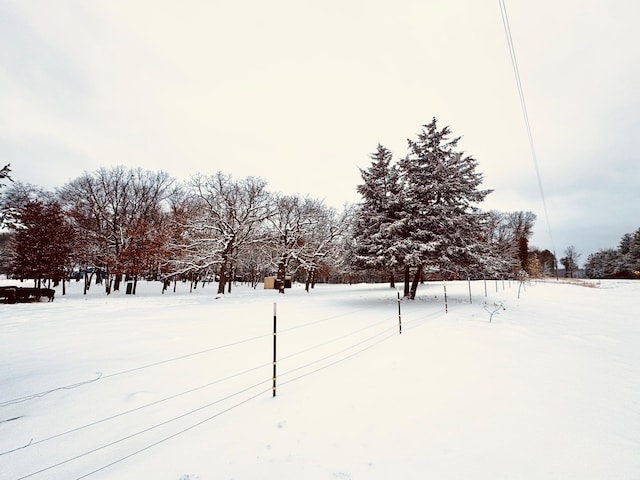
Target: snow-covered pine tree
{"points": [[378, 220], [441, 224], [607, 263]]}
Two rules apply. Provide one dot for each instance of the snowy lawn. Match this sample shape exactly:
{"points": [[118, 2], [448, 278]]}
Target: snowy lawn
{"points": [[178, 386]]}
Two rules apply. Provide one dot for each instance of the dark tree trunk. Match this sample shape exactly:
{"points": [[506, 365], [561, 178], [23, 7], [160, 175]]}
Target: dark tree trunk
{"points": [[109, 281], [282, 273], [406, 280], [311, 279], [416, 280], [223, 279], [392, 280]]}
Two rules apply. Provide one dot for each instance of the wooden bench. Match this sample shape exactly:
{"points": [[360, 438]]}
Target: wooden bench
{"points": [[14, 294], [8, 294]]}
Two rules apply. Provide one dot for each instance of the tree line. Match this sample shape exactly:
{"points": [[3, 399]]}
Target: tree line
{"points": [[620, 262], [419, 218]]}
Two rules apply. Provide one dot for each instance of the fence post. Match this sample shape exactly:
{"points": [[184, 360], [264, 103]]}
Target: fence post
{"points": [[446, 307], [469, 282], [399, 315], [274, 348]]}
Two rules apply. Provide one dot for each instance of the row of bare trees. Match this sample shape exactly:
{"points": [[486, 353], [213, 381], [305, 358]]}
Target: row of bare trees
{"points": [[133, 223]]}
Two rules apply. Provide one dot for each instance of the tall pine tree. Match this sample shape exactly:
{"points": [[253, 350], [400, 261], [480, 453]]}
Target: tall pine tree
{"points": [[377, 218], [441, 220]]}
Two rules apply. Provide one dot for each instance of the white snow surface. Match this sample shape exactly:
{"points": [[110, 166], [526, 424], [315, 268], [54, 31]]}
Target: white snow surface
{"points": [[178, 386]]}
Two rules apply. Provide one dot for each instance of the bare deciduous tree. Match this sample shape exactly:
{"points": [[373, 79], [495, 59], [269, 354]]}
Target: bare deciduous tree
{"points": [[229, 217], [570, 261], [114, 209]]}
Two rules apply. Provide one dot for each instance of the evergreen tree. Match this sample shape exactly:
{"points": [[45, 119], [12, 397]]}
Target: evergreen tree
{"points": [[630, 251], [441, 221], [608, 263], [43, 245], [8, 213], [623, 262], [4, 173], [378, 216]]}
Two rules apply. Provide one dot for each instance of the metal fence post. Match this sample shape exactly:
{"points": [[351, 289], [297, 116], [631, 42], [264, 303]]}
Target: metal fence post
{"points": [[274, 347]]}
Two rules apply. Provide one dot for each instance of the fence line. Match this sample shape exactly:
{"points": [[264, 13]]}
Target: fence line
{"points": [[344, 354], [141, 407], [153, 427]]}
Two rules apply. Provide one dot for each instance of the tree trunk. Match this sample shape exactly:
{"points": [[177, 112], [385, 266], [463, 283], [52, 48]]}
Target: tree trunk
{"points": [[87, 281], [309, 280], [109, 280], [392, 280], [223, 279], [416, 280], [282, 273], [406, 280]]}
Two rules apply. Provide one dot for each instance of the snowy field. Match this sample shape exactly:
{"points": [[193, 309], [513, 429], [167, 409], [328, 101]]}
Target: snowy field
{"points": [[179, 386]]}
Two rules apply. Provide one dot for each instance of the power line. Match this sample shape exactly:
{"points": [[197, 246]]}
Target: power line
{"points": [[523, 105]]}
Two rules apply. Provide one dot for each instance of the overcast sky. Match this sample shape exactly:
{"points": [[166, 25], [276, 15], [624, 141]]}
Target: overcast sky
{"points": [[300, 93]]}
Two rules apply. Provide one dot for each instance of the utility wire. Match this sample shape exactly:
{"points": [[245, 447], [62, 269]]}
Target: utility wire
{"points": [[523, 105]]}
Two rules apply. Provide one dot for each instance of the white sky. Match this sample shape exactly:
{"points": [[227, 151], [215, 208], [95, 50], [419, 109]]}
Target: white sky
{"points": [[300, 93]]}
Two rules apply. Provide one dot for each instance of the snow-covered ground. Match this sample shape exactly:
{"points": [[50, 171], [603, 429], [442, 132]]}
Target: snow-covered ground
{"points": [[178, 386]]}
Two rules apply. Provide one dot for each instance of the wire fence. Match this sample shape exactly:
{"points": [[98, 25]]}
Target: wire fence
{"points": [[155, 426]]}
